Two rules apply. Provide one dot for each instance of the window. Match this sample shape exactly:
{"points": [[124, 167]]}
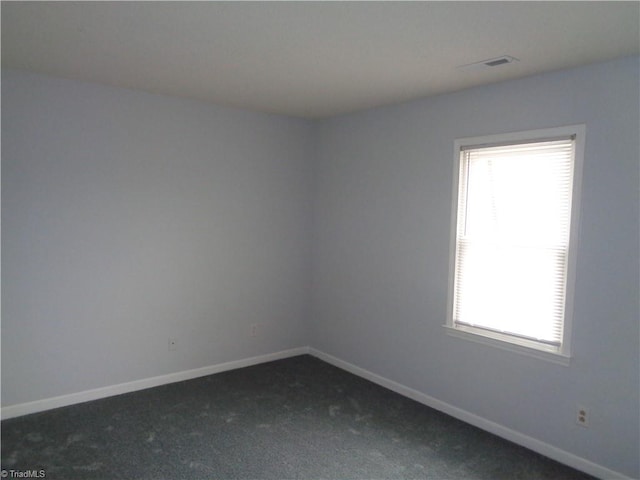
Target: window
{"points": [[515, 229]]}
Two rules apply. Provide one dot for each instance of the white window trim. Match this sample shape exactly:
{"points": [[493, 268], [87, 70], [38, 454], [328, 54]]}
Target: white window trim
{"points": [[532, 349]]}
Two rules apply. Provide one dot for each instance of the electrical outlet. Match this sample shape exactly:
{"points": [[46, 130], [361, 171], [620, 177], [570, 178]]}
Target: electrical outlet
{"points": [[173, 344], [254, 330], [582, 416]]}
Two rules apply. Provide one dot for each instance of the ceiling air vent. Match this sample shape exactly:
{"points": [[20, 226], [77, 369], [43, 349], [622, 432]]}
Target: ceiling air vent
{"points": [[492, 62]]}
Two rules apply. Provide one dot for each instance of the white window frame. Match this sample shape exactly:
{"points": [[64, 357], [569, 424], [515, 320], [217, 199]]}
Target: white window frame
{"points": [[535, 349]]}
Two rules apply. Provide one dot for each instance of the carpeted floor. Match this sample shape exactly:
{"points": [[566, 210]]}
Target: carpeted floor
{"points": [[298, 418]]}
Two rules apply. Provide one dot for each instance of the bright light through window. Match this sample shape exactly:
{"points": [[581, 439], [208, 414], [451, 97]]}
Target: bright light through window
{"points": [[513, 231]]}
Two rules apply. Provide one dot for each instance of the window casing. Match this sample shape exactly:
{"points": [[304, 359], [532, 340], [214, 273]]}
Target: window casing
{"points": [[514, 235]]}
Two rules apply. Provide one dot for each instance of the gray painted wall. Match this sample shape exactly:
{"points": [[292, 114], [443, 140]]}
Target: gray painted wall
{"points": [[381, 253], [130, 218]]}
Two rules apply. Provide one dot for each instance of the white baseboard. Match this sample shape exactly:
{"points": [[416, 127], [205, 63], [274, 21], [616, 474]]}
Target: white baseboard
{"points": [[468, 417], [518, 438], [20, 409]]}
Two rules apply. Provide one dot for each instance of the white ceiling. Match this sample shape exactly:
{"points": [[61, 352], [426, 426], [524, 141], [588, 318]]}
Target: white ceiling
{"points": [[310, 59]]}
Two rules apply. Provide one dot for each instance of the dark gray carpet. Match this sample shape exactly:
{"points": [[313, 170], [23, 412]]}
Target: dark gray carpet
{"points": [[296, 418]]}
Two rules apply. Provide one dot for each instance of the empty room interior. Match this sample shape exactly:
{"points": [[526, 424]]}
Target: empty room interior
{"points": [[263, 240]]}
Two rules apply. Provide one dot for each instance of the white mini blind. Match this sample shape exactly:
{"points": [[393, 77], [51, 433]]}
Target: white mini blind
{"points": [[512, 239]]}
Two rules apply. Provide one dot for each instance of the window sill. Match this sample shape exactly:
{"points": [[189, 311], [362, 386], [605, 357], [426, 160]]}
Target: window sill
{"points": [[553, 357]]}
